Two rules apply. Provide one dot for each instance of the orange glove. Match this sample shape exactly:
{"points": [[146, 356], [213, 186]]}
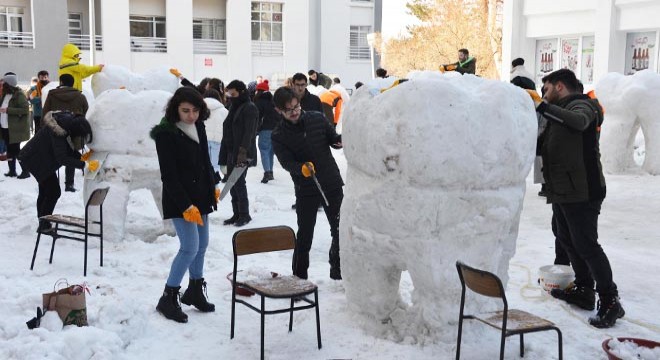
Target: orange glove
{"points": [[192, 215], [217, 195], [92, 165], [308, 169], [175, 72], [535, 96], [86, 155], [450, 67]]}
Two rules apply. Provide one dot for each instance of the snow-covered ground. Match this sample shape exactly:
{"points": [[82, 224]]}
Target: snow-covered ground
{"points": [[125, 325]]}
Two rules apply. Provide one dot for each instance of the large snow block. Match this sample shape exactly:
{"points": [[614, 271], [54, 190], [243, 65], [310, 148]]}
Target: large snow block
{"points": [[119, 77], [630, 102], [436, 173]]}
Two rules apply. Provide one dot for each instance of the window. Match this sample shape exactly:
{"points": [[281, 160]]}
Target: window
{"points": [[75, 24], [266, 21], [148, 26], [358, 45], [209, 29], [11, 19]]}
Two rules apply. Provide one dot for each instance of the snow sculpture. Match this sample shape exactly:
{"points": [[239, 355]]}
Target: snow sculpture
{"points": [[436, 173], [115, 77], [630, 102], [121, 122]]}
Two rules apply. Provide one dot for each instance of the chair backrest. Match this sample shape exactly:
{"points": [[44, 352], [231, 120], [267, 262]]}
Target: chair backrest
{"points": [[265, 239], [97, 197], [480, 281]]}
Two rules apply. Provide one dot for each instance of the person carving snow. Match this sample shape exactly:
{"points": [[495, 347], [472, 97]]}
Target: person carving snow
{"points": [[70, 64]]}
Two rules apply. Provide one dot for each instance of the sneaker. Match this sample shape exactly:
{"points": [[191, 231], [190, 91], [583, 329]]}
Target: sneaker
{"points": [[581, 296], [609, 310], [265, 179], [69, 188]]}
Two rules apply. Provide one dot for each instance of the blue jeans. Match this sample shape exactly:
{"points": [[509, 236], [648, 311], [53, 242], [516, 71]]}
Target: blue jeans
{"points": [[3, 148], [214, 151], [266, 149], [194, 240]]}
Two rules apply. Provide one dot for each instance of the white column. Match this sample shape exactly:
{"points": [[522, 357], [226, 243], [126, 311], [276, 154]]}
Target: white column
{"points": [[239, 40], [179, 14], [605, 39], [116, 32]]}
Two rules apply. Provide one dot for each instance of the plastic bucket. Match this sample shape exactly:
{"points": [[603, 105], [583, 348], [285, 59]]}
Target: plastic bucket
{"points": [[639, 342], [555, 277]]}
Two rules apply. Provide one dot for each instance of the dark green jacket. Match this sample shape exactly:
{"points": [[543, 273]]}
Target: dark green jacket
{"points": [[66, 98], [469, 66], [570, 150], [18, 120]]}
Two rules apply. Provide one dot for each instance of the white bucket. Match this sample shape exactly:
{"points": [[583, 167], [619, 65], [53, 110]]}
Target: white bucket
{"points": [[555, 277]]}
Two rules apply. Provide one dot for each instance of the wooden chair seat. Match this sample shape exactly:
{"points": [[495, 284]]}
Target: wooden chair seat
{"points": [[517, 320], [280, 286], [65, 220]]}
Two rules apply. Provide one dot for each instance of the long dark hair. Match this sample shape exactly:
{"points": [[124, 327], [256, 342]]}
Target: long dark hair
{"points": [[189, 95]]}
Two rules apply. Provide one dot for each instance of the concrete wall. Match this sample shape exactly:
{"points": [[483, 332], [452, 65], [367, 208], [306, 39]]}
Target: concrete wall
{"points": [[147, 7], [210, 9]]}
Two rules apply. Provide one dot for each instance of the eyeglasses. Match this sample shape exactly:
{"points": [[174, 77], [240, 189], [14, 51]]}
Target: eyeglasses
{"points": [[291, 111]]}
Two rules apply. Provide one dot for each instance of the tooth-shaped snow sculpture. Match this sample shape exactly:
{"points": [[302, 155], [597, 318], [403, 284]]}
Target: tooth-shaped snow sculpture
{"points": [[630, 102], [436, 173], [116, 77]]}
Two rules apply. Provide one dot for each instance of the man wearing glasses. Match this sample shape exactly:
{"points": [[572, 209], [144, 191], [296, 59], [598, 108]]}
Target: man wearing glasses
{"points": [[302, 142], [307, 100]]}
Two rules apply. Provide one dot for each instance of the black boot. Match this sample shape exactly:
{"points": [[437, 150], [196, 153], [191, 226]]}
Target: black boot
{"points": [[243, 219], [195, 295], [609, 310], [24, 173], [270, 175], [12, 168], [234, 207], [169, 305], [577, 295], [335, 268], [265, 179]]}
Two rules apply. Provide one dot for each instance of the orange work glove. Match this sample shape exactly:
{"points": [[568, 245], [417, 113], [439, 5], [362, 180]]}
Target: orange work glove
{"points": [[535, 96], [450, 67], [86, 155], [192, 215], [175, 72], [92, 165], [217, 195], [308, 169]]}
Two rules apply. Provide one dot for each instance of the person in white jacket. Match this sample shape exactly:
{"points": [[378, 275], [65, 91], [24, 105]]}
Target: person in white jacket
{"points": [[214, 124]]}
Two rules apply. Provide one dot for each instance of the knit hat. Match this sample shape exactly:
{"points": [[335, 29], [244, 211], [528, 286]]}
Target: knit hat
{"points": [[263, 86], [11, 80]]}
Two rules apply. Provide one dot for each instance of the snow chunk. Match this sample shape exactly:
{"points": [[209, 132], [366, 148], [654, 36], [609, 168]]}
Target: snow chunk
{"points": [[116, 77]]}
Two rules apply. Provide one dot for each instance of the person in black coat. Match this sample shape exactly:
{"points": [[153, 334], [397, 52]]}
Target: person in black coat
{"points": [[307, 100], [302, 142], [238, 147], [55, 145], [189, 195], [268, 119]]}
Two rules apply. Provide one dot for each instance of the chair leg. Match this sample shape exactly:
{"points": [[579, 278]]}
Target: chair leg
{"points": [[458, 341], [318, 321], [522, 345], [263, 321], [36, 246], [85, 266], [52, 249], [233, 308], [291, 316], [559, 340], [502, 344]]}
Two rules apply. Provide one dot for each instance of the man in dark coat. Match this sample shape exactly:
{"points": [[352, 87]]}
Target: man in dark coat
{"points": [[67, 98], [238, 147], [575, 187], [302, 142], [307, 100], [520, 76], [466, 64], [53, 147], [319, 79]]}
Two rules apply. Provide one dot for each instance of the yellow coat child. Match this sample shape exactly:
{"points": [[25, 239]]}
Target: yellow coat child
{"points": [[70, 64]]}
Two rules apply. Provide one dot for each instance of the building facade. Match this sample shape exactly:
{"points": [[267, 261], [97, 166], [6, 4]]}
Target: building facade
{"points": [[229, 39], [590, 37]]}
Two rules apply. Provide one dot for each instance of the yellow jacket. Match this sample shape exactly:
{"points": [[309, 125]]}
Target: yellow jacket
{"points": [[70, 64]]}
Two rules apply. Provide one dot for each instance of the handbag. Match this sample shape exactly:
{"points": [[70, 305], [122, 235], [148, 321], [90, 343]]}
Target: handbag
{"points": [[68, 301]]}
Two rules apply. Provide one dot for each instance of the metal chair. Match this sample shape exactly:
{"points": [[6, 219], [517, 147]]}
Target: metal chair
{"points": [[267, 239], [509, 321], [74, 228]]}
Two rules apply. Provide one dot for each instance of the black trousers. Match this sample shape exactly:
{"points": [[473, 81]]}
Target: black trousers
{"points": [[69, 174], [306, 211], [561, 257], [577, 231], [49, 193], [239, 194], [37, 123]]}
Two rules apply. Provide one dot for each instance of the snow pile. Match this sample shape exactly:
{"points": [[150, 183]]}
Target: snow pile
{"points": [[116, 77], [630, 102], [629, 350], [436, 173]]}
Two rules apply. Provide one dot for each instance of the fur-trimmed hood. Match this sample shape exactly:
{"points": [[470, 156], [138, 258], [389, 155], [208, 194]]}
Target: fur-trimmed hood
{"points": [[50, 122]]}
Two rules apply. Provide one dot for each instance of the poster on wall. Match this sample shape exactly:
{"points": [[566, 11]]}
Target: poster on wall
{"points": [[640, 52], [569, 54], [546, 51], [588, 44]]}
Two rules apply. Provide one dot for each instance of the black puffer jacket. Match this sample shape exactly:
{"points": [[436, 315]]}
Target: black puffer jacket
{"points": [[267, 114], [50, 149], [185, 169], [310, 102], [309, 140]]}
